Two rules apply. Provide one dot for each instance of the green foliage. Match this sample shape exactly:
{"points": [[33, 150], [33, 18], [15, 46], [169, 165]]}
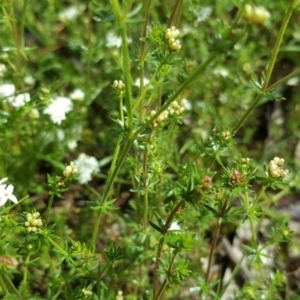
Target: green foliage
{"points": [[146, 136]]}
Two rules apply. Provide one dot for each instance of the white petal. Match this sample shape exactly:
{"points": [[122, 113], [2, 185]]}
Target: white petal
{"points": [[3, 180], [3, 200], [13, 198], [10, 189]]}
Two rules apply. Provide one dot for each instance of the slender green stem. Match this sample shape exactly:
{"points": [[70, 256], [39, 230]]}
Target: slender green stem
{"points": [[115, 166], [147, 86], [145, 170], [8, 285], [12, 21], [2, 284], [175, 12], [143, 55], [212, 249], [116, 9], [279, 38], [164, 284], [89, 46], [22, 22], [248, 207], [121, 18], [183, 86], [121, 108], [127, 77], [258, 195], [248, 112], [103, 270], [25, 276], [283, 80], [270, 68], [215, 239], [61, 250], [160, 246], [49, 206]]}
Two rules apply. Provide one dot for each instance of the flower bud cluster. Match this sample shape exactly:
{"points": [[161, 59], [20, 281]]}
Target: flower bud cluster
{"points": [[119, 85], [71, 170], [176, 108], [245, 161], [86, 293], [256, 14], [275, 168], [206, 183], [33, 222], [161, 118], [226, 135], [9, 261], [170, 36], [120, 295], [237, 178]]}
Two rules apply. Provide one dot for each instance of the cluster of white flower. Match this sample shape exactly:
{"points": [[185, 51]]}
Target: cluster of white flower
{"points": [[275, 168], [120, 295], [171, 35], [70, 170], [86, 166], [77, 95], [6, 193], [203, 14], [256, 14], [7, 91], [58, 109], [86, 293], [33, 221], [69, 14], [175, 109], [119, 85]]}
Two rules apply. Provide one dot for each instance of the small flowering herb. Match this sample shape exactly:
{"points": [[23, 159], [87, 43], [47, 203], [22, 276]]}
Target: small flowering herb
{"points": [[186, 205]]}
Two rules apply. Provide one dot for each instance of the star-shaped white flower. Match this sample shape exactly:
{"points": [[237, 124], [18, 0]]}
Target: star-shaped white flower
{"points": [[6, 193]]}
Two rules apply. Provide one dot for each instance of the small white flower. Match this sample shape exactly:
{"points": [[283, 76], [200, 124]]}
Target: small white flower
{"points": [[19, 100], [203, 14], [137, 81], [72, 144], [112, 40], [7, 90], [34, 114], [2, 69], [175, 226], [29, 80], [221, 71], [77, 94], [58, 109], [69, 13], [87, 166], [6, 193]]}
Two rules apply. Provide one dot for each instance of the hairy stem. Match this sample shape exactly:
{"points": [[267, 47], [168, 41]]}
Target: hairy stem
{"points": [[160, 246]]}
